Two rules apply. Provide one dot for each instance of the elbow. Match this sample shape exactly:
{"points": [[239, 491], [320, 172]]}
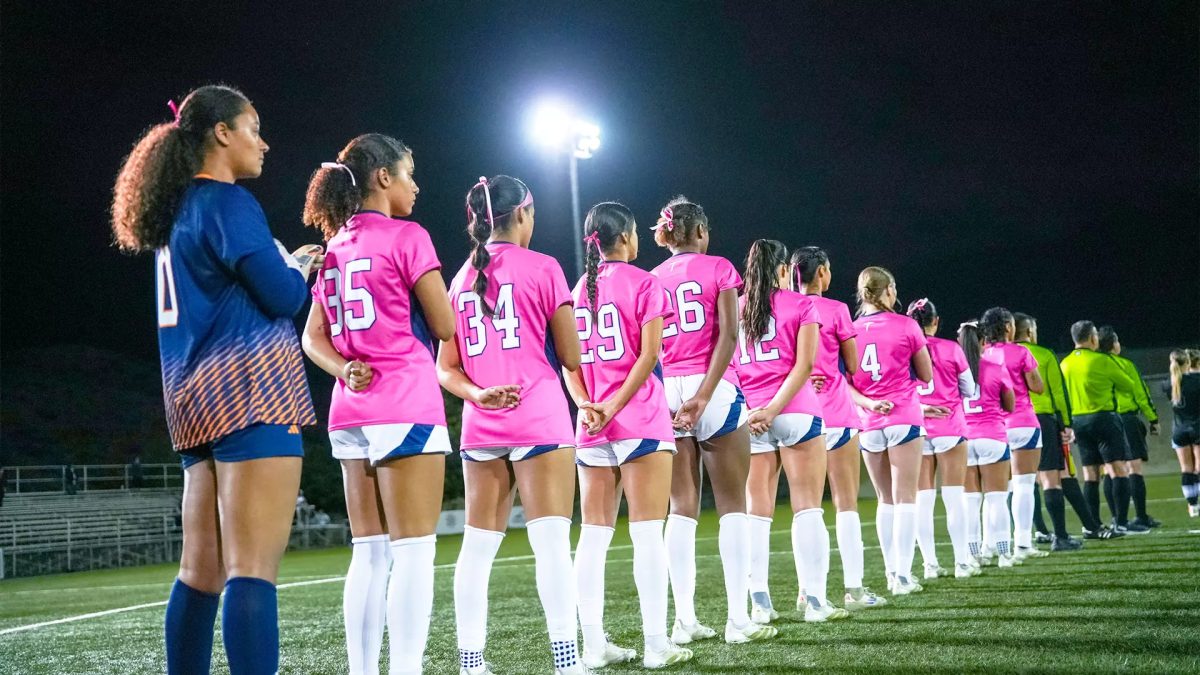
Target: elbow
{"points": [[569, 362], [443, 330]]}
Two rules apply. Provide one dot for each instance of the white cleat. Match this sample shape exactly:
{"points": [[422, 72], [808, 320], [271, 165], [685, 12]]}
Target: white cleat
{"points": [[1024, 553], [1006, 561], [824, 612], [935, 571], [966, 570], [751, 632], [1193, 510], [577, 669], [862, 598], [682, 634], [763, 615], [611, 654], [906, 587], [671, 656], [891, 581]]}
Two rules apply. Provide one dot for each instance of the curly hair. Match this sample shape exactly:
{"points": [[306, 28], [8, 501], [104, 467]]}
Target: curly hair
{"points": [[762, 263], [157, 171], [994, 324], [686, 220], [608, 221], [923, 312], [336, 193], [506, 194]]}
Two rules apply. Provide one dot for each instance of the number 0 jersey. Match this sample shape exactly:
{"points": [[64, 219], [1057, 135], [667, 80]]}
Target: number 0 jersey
{"points": [[225, 364], [366, 289], [513, 346]]}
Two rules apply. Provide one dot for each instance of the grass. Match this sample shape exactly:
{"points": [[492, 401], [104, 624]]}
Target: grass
{"points": [[1129, 604]]}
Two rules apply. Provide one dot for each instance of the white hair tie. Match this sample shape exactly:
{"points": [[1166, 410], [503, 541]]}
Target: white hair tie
{"points": [[339, 165]]}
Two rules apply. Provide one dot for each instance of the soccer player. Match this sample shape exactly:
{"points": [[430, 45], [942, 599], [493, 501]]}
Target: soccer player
{"points": [[1024, 433], [515, 327], [987, 450], [709, 418], [945, 444], [837, 353], [777, 344], [1055, 467], [377, 307], [1093, 380], [1128, 408], [893, 350], [624, 436], [233, 375], [1185, 432]]}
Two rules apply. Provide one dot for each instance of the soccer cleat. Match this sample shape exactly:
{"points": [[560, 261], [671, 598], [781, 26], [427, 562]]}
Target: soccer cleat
{"points": [[824, 612], [862, 598], [1148, 522], [763, 615], [935, 571], [905, 586], [682, 634], [751, 632], [1105, 532], [1066, 544], [670, 656], [1024, 553], [966, 570], [611, 654], [1193, 510], [1133, 527], [891, 581], [1006, 561], [577, 669], [1042, 538]]}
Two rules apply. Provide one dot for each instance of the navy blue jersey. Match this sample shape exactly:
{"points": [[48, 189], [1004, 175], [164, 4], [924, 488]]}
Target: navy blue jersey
{"points": [[226, 364]]}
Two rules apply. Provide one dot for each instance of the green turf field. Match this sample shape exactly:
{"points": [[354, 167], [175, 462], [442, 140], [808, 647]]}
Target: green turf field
{"points": [[1132, 604]]}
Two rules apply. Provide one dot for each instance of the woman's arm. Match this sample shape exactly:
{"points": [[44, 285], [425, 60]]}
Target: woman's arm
{"points": [[727, 318], [1008, 401], [566, 337], [849, 352], [1033, 380], [602, 412], [454, 380], [923, 365], [318, 345], [435, 304]]}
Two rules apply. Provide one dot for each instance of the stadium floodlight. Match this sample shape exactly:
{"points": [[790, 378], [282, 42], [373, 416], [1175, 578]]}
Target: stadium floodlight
{"points": [[555, 127]]}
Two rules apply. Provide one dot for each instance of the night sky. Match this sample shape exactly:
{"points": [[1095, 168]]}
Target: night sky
{"points": [[1040, 156]]}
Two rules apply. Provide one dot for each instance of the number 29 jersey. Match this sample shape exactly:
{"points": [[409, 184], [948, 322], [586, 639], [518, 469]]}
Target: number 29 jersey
{"points": [[366, 289], [513, 346], [627, 298]]}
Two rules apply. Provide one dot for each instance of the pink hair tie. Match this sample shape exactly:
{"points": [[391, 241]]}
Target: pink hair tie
{"points": [[487, 198], [920, 304], [592, 239], [665, 219], [174, 109]]}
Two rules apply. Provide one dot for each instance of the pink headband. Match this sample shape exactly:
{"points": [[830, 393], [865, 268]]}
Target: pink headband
{"points": [[174, 109], [592, 239], [665, 219]]}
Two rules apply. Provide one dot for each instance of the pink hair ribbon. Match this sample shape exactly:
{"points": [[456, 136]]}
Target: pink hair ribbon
{"points": [[920, 304], [174, 109], [487, 197], [665, 219], [592, 239]]}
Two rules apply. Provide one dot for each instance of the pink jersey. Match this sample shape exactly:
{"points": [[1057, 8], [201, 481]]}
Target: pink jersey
{"points": [[886, 344], [949, 363], [693, 281], [838, 409], [764, 365], [366, 287], [984, 412], [627, 298], [1018, 360], [513, 346]]}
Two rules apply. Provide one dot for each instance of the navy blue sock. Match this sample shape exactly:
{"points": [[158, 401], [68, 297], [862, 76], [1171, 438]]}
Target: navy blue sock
{"points": [[189, 629], [250, 626]]}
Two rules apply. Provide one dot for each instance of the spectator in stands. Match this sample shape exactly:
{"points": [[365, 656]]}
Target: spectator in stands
{"points": [[70, 481]]}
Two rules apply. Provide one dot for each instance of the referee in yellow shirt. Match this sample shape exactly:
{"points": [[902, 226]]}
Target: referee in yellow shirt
{"points": [[1128, 408]]}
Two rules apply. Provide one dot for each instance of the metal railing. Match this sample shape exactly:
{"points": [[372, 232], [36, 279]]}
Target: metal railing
{"points": [[90, 477]]}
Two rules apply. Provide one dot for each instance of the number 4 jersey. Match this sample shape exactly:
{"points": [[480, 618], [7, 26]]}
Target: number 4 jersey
{"points": [[513, 346], [366, 288], [886, 344]]}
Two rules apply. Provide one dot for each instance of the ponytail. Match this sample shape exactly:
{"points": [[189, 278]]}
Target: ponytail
{"points": [[761, 282], [604, 225], [923, 312], [970, 338], [490, 206], [337, 189], [873, 283], [1179, 365]]}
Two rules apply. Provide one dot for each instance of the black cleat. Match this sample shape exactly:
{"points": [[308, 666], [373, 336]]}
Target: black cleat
{"points": [[1134, 527], [1068, 543]]}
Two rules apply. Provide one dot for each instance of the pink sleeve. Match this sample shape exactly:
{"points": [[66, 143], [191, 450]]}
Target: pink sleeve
{"points": [[727, 275], [843, 326], [1030, 363], [960, 359], [652, 301], [415, 255], [809, 313], [554, 291], [917, 336]]}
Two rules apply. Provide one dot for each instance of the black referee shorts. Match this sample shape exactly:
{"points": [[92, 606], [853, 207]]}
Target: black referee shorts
{"points": [[1135, 436], [1052, 447], [1101, 438]]}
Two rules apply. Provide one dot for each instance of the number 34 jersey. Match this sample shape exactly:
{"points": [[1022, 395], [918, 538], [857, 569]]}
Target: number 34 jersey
{"points": [[512, 346], [366, 289]]}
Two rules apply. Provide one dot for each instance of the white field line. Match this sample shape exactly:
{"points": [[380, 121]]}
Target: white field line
{"points": [[329, 580]]}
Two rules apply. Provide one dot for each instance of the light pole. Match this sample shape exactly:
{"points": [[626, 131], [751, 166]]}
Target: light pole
{"points": [[555, 128]]}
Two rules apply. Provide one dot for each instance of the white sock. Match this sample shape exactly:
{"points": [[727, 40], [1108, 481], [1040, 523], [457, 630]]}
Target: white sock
{"points": [[590, 555], [956, 520], [973, 502], [850, 547], [884, 514], [760, 553], [904, 542], [364, 602], [550, 539], [410, 602], [472, 573], [650, 576], [810, 547], [996, 528], [680, 538], [1022, 509], [925, 537], [733, 539]]}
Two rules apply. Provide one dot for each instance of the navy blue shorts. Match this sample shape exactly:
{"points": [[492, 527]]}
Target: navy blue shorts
{"points": [[254, 442]]}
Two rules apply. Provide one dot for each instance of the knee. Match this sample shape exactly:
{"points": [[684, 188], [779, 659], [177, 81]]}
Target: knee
{"points": [[206, 576], [1118, 470]]}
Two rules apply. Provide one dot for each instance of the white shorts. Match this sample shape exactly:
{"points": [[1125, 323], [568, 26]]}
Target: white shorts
{"points": [[513, 453], [836, 437], [381, 442], [617, 453], [726, 411], [787, 430], [1024, 438], [985, 451], [939, 444], [889, 437]]}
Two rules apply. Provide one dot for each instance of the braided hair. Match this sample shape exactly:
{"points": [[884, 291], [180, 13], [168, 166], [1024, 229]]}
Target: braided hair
{"points": [[761, 282], [806, 260], [605, 224], [503, 195], [679, 223]]}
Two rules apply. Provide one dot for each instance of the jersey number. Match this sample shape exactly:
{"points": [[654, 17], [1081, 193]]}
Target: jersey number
{"points": [[925, 389], [689, 313], [870, 362], [164, 289], [607, 325], [973, 398], [344, 291], [504, 320], [760, 354]]}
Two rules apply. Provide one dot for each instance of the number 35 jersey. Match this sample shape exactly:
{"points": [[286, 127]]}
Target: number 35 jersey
{"points": [[627, 298], [366, 289], [512, 346]]}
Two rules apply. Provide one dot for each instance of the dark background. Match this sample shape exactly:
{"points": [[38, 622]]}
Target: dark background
{"points": [[1039, 156]]}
